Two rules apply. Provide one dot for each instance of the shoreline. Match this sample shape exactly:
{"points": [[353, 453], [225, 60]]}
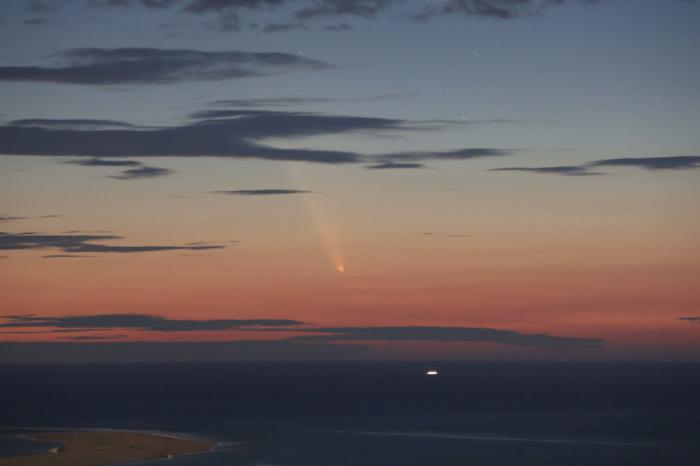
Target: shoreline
{"points": [[82, 447]]}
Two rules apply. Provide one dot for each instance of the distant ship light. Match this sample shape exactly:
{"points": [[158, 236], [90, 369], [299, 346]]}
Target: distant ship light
{"points": [[431, 373]]}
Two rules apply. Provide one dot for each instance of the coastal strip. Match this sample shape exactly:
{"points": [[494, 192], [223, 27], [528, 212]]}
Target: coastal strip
{"points": [[102, 448]]}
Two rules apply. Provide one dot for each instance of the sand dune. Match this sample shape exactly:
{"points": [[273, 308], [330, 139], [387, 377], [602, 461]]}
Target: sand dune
{"points": [[88, 448]]}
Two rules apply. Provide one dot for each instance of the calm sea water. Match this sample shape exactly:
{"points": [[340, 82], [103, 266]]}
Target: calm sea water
{"points": [[379, 414]]}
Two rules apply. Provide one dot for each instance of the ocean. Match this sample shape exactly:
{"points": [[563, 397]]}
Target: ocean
{"points": [[376, 414]]}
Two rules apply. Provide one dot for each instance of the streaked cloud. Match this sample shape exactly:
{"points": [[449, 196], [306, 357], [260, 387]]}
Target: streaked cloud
{"points": [[588, 169], [66, 256], [294, 15], [76, 123], [12, 218], [568, 170], [100, 66], [83, 243], [146, 322], [143, 171], [261, 192], [296, 101], [97, 162], [457, 154], [651, 163], [444, 334], [227, 133], [395, 165]]}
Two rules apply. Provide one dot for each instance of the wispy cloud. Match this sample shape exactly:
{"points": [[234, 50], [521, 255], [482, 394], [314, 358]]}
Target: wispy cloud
{"points": [[83, 243], [143, 171], [395, 165], [66, 256], [297, 101], [137, 170], [97, 162], [443, 334], [227, 133], [692, 320], [12, 218], [588, 169], [457, 154], [568, 170], [292, 15], [651, 163], [146, 322], [97, 66], [261, 192], [77, 123]]}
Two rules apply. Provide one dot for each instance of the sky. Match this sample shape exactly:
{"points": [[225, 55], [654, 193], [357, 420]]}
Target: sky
{"points": [[196, 180]]}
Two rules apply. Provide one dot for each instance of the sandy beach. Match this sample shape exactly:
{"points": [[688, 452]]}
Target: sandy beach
{"points": [[85, 448]]}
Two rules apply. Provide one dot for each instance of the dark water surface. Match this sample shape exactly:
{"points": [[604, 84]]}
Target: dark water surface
{"points": [[379, 414]]}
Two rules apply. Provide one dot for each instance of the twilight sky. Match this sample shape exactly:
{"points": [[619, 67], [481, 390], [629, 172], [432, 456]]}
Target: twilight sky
{"points": [[335, 179]]}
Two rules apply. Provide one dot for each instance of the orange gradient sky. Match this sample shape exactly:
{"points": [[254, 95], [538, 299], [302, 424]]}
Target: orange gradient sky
{"points": [[386, 176]]}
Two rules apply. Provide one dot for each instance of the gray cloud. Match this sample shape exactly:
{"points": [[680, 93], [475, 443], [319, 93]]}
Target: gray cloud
{"points": [[66, 256], [261, 192], [272, 102], [568, 170], [82, 243], [12, 218], [692, 320], [141, 322], [283, 27], [224, 133], [361, 8], [142, 172], [76, 123], [444, 334], [93, 337], [499, 9], [457, 154], [652, 163], [137, 171], [229, 15], [293, 101], [97, 162], [586, 169], [97, 66], [395, 165]]}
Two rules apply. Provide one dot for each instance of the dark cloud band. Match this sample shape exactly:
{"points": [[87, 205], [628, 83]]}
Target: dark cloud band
{"points": [[82, 243], [443, 334], [140, 322], [94, 66]]}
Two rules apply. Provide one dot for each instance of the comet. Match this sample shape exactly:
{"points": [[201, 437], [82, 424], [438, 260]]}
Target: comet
{"points": [[319, 218]]}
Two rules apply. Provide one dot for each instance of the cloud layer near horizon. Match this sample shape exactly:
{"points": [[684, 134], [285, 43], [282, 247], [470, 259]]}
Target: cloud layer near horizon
{"points": [[140, 322], [148, 322]]}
